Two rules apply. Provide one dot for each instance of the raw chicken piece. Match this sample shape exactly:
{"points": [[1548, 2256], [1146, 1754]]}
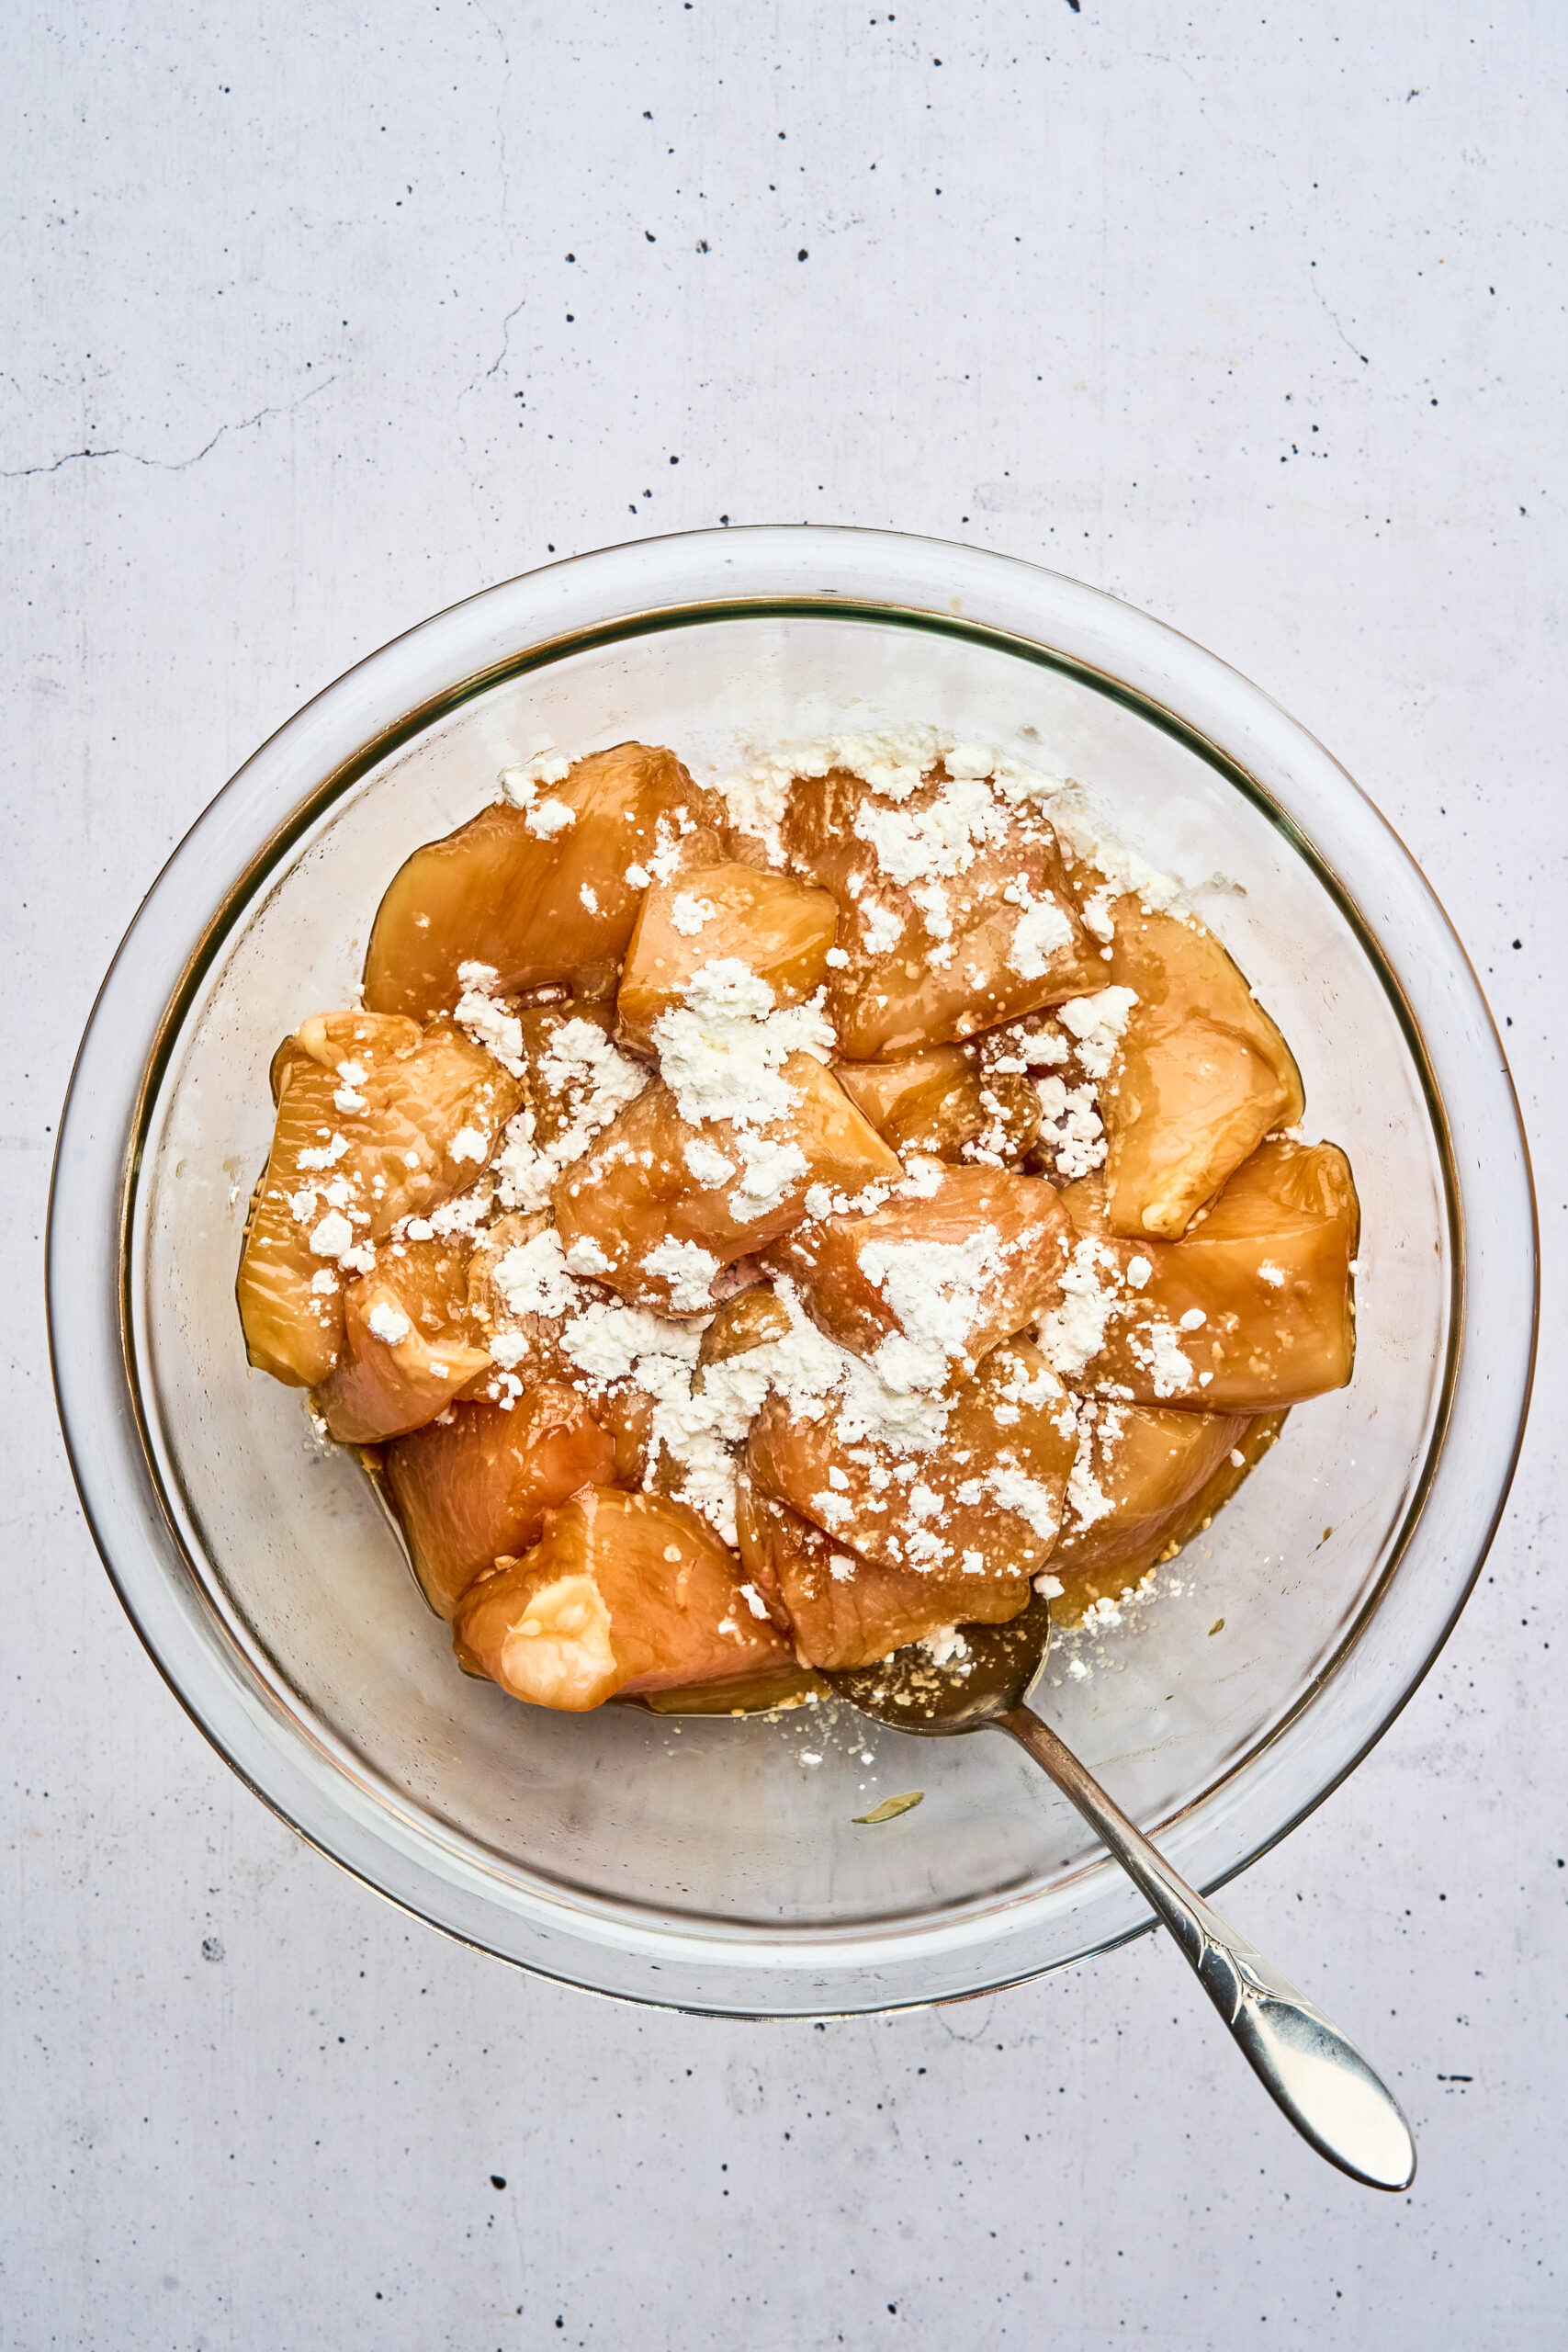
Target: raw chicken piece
{"points": [[1199, 1077], [639, 1214], [847, 1611], [522, 1298], [1252, 1308], [780, 929], [1085, 1582], [544, 893], [469, 1487], [376, 1122], [411, 1344], [983, 1498], [1137, 1468], [954, 911], [928, 1103], [622, 1593], [926, 1285]]}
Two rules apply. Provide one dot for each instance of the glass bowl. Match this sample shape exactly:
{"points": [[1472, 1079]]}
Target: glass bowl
{"points": [[713, 1865]]}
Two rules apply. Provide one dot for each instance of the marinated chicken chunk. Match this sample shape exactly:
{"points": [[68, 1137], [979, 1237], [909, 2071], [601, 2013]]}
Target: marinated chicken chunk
{"points": [[478, 1481], [954, 910], [622, 1593], [1252, 1308], [376, 1121], [927, 1284], [1201, 1075], [661, 1206]]}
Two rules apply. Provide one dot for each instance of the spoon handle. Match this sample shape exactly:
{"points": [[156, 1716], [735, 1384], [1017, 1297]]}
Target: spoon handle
{"points": [[1308, 2067]]}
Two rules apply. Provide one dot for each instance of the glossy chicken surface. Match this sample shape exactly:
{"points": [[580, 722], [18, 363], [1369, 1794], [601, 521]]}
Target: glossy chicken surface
{"points": [[984, 1498], [847, 1610], [411, 1344], [468, 1488], [928, 1102], [622, 1593], [992, 932], [1201, 1076], [749, 1231]]}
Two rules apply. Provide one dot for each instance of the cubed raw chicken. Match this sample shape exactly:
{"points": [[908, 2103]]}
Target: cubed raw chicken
{"points": [[849, 1611], [410, 1343], [779, 928], [926, 1284], [928, 1102], [469, 1487], [954, 911], [622, 1593], [376, 1122], [984, 1498], [1254, 1308], [543, 893], [659, 1207], [1137, 1468], [521, 1297], [1199, 1077]]}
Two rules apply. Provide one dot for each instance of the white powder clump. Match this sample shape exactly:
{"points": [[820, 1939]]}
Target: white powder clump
{"points": [[1138, 1271], [1195, 1319], [946, 1644], [332, 1235], [1161, 1357], [546, 819], [585, 1257], [486, 1022], [1034, 1503], [520, 784], [687, 914], [773, 1170], [884, 927], [688, 1269], [937, 1291], [468, 1144], [1073, 1334], [590, 898], [532, 1278], [1098, 1022], [388, 1323], [942, 839], [707, 1163], [594, 1082], [1070, 1127], [1041, 932], [1267, 1271], [720, 1051]]}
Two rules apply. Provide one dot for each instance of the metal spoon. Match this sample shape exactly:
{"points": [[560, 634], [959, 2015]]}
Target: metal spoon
{"points": [[1320, 2080]]}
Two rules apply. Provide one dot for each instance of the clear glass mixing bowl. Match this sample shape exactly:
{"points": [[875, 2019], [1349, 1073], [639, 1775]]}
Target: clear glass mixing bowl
{"points": [[709, 1867]]}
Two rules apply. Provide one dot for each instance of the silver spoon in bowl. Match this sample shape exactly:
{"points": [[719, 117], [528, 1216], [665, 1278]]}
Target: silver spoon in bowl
{"points": [[1318, 2079]]}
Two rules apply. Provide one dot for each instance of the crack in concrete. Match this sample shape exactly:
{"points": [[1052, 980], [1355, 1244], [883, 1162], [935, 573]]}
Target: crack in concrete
{"points": [[167, 465]]}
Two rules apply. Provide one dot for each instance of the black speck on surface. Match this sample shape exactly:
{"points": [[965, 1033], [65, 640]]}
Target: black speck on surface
{"points": [[212, 1947], [803, 254], [497, 2180]]}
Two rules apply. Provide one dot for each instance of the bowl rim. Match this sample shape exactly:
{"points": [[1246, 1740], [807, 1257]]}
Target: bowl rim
{"points": [[526, 624]]}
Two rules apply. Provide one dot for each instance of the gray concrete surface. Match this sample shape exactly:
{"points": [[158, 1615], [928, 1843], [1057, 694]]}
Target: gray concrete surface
{"points": [[1254, 319]]}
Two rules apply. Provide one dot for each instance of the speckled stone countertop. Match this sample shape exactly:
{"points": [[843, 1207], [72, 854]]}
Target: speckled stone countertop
{"points": [[319, 320]]}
